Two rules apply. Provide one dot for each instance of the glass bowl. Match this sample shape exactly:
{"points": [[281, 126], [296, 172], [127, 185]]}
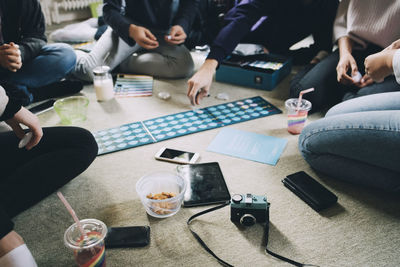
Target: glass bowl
{"points": [[72, 109], [161, 184]]}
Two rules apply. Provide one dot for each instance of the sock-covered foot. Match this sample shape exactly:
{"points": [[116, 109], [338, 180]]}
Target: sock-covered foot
{"points": [[57, 89], [18, 257]]}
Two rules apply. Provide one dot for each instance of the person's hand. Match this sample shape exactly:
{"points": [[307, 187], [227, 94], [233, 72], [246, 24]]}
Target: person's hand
{"points": [[25, 117], [200, 83], [365, 81], [10, 57], [176, 36], [394, 45], [379, 65], [346, 63], [143, 37]]}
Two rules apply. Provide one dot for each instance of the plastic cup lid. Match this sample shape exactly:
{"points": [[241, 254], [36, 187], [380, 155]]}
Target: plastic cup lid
{"points": [[291, 104], [95, 231]]}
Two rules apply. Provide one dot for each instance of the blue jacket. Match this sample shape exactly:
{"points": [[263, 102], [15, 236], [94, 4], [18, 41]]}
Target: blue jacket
{"points": [[156, 15]]}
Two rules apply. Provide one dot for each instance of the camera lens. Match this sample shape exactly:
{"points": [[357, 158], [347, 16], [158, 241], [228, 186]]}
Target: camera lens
{"points": [[247, 220]]}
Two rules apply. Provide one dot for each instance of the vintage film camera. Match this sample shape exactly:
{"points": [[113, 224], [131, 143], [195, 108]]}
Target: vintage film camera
{"points": [[249, 209]]}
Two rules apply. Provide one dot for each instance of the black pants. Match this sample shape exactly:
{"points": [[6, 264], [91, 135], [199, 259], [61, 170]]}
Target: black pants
{"points": [[328, 91], [26, 177]]}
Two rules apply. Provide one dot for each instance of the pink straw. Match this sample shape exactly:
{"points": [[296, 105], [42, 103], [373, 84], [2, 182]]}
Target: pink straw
{"points": [[301, 96], [73, 214]]}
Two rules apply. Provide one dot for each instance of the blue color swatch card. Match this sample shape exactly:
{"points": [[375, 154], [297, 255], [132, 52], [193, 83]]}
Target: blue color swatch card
{"points": [[248, 145]]}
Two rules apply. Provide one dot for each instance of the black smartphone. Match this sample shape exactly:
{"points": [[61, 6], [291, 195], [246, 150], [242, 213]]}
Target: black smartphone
{"points": [[131, 236], [310, 191], [45, 106]]}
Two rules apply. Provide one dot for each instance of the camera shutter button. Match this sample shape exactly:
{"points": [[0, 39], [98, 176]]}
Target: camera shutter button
{"points": [[237, 198]]}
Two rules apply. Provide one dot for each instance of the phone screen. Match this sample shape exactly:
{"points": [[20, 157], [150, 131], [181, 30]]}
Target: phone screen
{"points": [[177, 155]]}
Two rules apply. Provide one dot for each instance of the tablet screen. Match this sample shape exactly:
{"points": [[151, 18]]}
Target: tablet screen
{"points": [[205, 184]]}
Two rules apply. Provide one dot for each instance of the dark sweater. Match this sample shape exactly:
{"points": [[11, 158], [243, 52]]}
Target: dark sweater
{"points": [[241, 18], [23, 23], [156, 15], [9, 102]]}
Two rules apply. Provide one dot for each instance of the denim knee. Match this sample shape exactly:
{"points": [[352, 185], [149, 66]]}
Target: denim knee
{"points": [[302, 145], [63, 56]]}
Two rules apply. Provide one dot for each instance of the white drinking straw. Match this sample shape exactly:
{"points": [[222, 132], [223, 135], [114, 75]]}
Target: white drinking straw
{"points": [[301, 96]]}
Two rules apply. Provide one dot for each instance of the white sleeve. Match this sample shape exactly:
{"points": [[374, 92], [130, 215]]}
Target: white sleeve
{"points": [[396, 65], [3, 100], [340, 24]]}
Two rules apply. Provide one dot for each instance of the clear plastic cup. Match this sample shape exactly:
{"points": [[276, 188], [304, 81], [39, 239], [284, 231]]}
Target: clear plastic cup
{"points": [[157, 183], [72, 109], [89, 252], [297, 117]]}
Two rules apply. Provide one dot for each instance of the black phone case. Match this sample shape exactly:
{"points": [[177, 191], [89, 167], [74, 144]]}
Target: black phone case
{"points": [[123, 237], [310, 191]]}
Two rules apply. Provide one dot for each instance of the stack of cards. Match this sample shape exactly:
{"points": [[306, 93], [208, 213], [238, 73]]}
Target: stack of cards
{"points": [[265, 65], [133, 85]]}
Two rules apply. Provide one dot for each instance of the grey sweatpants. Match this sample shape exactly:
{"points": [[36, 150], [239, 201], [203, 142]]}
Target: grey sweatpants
{"points": [[166, 61]]}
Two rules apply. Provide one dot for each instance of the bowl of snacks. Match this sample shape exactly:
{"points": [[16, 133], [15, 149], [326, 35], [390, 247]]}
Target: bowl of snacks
{"points": [[161, 193]]}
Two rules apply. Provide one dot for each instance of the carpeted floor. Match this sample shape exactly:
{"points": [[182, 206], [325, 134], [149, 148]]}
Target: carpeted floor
{"points": [[363, 229]]}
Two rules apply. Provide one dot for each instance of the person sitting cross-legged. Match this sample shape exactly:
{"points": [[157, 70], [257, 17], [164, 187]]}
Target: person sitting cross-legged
{"points": [[359, 139], [26, 61], [52, 158]]}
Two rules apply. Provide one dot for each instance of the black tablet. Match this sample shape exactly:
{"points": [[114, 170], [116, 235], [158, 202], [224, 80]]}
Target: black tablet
{"points": [[205, 184]]}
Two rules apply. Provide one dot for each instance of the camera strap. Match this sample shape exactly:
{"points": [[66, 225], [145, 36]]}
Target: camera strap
{"points": [[221, 261], [202, 243]]}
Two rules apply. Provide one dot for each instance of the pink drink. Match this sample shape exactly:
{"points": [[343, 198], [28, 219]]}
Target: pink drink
{"points": [[88, 251], [297, 116]]}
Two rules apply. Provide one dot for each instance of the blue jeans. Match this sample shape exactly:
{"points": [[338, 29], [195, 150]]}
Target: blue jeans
{"points": [[358, 141], [52, 64]]}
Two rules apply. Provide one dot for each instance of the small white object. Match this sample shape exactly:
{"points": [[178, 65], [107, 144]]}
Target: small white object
{"points": [[25, 140], [164, 95], [169, 37], [357, 77], [222, 96]]}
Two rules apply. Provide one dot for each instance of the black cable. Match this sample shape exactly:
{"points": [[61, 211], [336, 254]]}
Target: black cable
{"points": [[202, 243]]}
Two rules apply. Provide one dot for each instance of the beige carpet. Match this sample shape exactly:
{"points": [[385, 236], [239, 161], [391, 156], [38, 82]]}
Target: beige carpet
{"points": [[362, 230]]}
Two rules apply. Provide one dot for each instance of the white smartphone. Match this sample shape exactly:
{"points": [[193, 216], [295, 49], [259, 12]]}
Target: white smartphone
{"points": [[177, 156]]}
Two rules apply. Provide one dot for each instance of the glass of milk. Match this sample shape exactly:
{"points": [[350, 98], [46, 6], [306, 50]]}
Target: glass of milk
{"points": [[103, 83]]}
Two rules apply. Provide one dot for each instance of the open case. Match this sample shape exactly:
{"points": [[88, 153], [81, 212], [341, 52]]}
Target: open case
{"points": [[261, 71]]}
